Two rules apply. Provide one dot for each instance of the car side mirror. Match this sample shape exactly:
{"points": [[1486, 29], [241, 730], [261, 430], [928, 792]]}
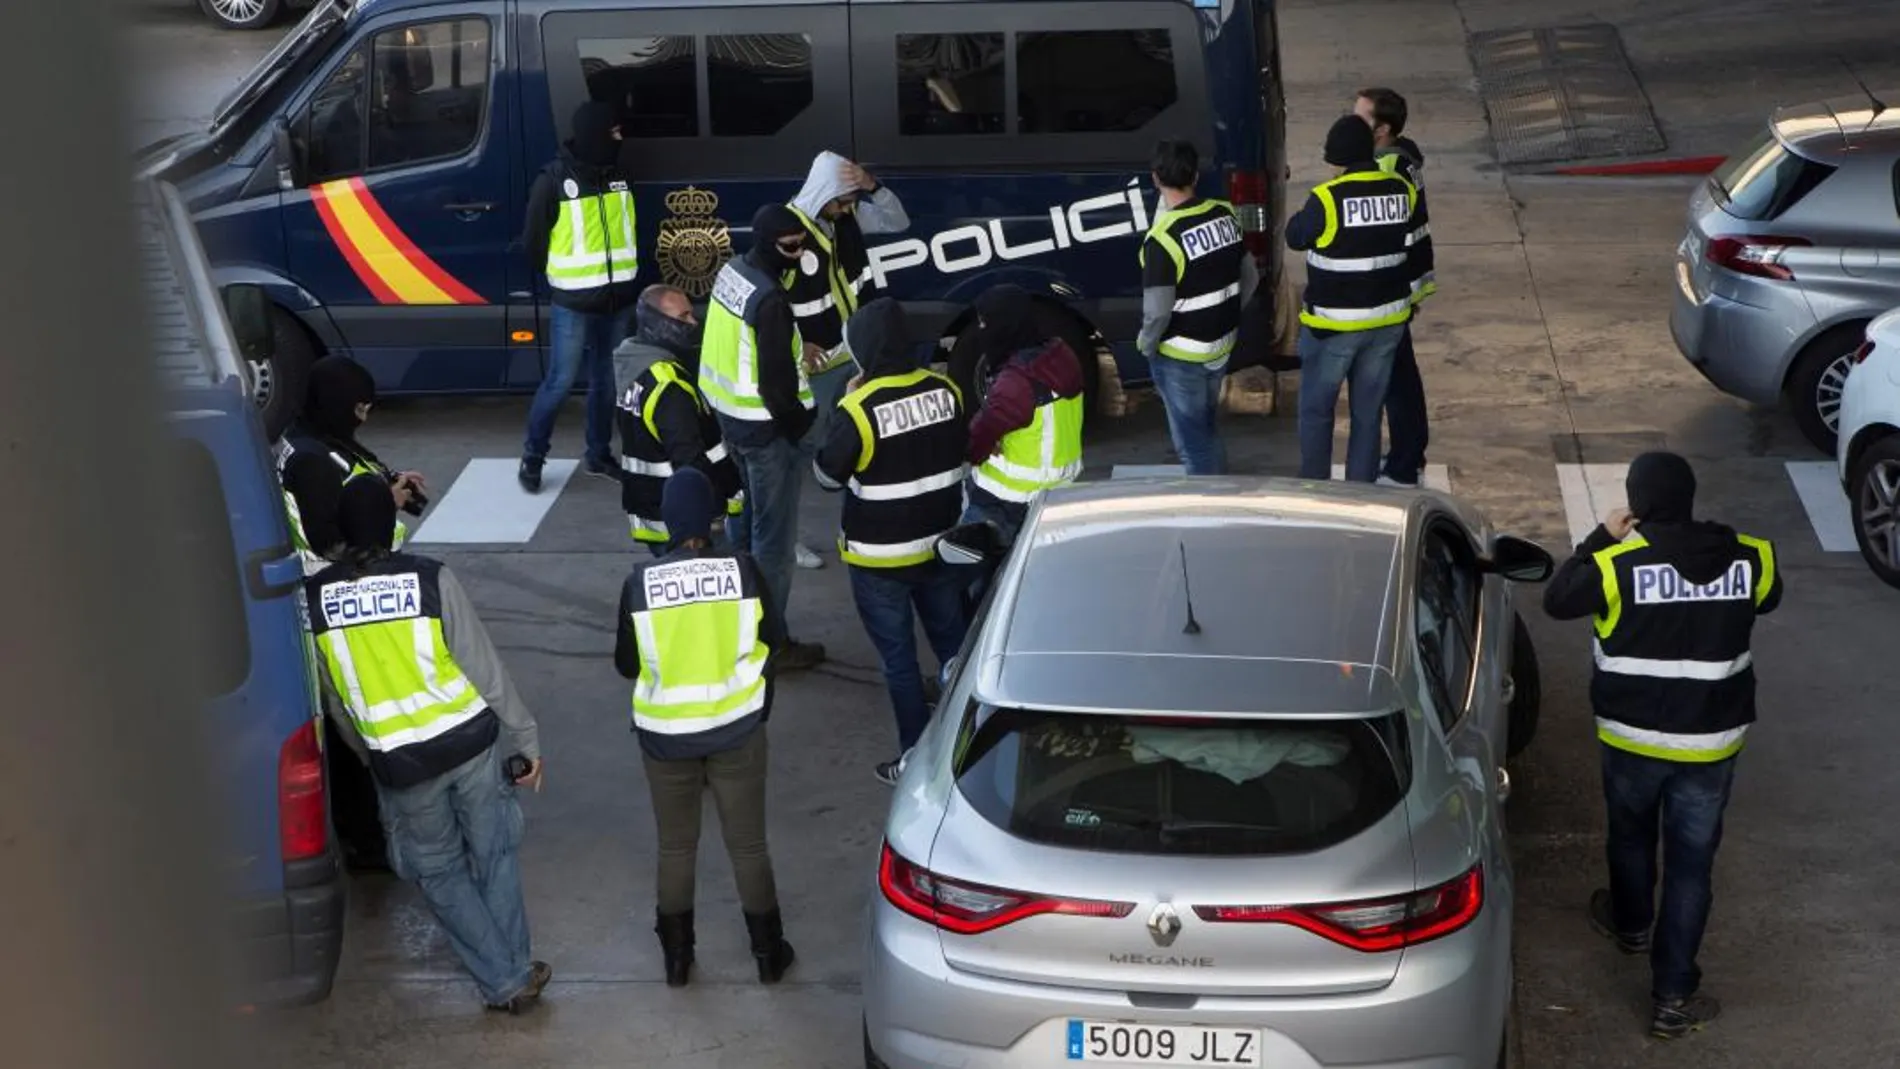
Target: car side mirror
{"points": [[970, 543], [247, 307], [1519, 560], [290, 174]]}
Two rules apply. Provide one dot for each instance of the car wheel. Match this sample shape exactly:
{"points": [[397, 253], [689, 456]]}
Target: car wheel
{"points": [[242, 14], [971, 369], [1816, 379], [1874, 488], [279, 382], [1527, 693]]}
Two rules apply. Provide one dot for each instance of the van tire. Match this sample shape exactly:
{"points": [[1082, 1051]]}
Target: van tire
{"points": [[1527, 699], [967, 368], [279, 384], [1817, 371], [242, 14]]}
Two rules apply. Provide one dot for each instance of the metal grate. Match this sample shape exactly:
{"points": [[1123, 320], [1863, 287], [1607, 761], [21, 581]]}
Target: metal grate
{"points": [[1562, 93]]}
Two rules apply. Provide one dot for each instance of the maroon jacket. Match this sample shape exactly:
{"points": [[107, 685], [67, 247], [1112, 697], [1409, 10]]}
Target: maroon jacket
{"points": [[1011, 403]]}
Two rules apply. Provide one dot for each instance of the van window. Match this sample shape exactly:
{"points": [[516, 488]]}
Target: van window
{"points": [[205, 555], [949, 83], [425, 99], [1145, 785], [1765, 180], [757, 83], [650, 80], [1092, 81]]}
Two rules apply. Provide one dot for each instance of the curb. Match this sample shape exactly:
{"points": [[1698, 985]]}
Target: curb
{"points": [[1686, 165]]}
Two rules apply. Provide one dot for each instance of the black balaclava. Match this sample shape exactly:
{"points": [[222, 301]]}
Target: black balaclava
{"points": [[593, 140], [337, 385], [366, 515], [1661, 488], [1349, 143], [676, 336], [1008, 317], [769, 224]]}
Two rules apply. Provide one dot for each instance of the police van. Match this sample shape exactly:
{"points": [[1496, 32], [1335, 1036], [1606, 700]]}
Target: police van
{"points": [[371, 173], [254, 663]]}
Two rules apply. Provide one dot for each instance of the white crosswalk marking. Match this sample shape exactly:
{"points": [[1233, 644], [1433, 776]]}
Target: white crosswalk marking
{"points": [[486, 505], [1437, 476], [1589, 492], [1139, 471], [1818, 483]]}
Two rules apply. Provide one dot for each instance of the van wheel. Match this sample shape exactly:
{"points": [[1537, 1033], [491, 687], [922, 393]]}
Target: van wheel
{"points": [[242, 14], [972, 370], [278, 383], [1527, 691], [1815, 381]]}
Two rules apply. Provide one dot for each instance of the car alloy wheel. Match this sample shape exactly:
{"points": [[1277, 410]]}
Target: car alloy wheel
{"points": [[1827, 391], [242, 14], [1876, 502]]}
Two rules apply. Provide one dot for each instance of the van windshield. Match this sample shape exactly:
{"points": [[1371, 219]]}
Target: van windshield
{"points": [[310, 38], [1164, 785]]}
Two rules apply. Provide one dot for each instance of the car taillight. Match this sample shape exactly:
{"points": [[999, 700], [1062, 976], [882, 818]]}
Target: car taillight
{"points": [[1757, 256], [303, 829], [1866, 350], [1248, 191], [1377, 924], [970, 908]]}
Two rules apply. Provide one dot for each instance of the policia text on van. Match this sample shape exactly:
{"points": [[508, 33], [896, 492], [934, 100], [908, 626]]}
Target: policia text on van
{"points": [[370, 174]]}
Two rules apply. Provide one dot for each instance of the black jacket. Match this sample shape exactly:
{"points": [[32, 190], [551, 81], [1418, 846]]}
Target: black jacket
{"points": [[777, 379], [544, 206]]}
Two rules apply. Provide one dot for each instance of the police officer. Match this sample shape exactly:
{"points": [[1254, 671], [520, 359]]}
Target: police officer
{"points": [[1195, 278], [1356, 230], [664, 424], [425, 698], [751, 375], [1027, 438], [696, 634], [898, 444], [1675, 602], [1405, 414]]}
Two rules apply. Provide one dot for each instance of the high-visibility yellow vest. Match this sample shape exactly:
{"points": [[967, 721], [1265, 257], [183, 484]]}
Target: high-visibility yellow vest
{"points": [[1202, 239], [1041, 456], [729, 347], [702, 661], [592, 243]]}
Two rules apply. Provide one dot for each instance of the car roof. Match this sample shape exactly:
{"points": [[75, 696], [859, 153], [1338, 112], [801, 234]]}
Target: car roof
{"points": [[1293, 585], [1833, 130]]}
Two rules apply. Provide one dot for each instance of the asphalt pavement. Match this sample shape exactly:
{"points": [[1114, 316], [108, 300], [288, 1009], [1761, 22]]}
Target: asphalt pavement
{"points": [[1549, 365]]}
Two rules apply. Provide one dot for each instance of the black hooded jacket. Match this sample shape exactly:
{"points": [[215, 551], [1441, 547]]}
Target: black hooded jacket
{"points": [[320, 449], [591, 159], [881, 339], [776, 328]]}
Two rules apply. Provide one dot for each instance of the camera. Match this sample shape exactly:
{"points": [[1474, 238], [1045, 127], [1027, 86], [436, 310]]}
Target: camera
{"points": [[516, 767]]}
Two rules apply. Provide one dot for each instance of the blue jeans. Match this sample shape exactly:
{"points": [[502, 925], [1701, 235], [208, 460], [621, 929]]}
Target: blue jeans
{"points": [[768, 528], [1363, 358], [1405, 417], [455, 837], [1682, 802], [1190, 393], [576, 339], [1008, 516], [886, 598]]}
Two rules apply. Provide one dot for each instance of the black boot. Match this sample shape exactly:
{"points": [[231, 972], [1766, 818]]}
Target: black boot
{"points": [[769, 947], [676, 943]]}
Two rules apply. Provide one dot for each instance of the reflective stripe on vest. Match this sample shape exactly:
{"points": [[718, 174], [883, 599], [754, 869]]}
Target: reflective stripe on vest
{"points": [[702, 663], [398, 680], [905, 489], [1664, 746], [1045, 454], [1329, 268], [592, 243], [729, 347], [1204, 328]]}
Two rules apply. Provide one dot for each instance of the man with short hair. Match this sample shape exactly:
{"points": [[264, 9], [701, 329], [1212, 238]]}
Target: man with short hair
{"points": [[1405, 414], [1196, 276]]}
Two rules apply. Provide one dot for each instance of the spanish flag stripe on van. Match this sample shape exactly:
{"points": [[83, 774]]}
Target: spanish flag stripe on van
{"points": [[383, 257]]}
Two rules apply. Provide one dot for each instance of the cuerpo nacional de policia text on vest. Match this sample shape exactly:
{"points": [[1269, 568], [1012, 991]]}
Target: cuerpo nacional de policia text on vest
{"points": [[591, 244], [1203, 239], [729, 349], [1674, 676], [644, 464], [826, 291], [702, 687], [1358, 274], [907, 489], [379, 632]]}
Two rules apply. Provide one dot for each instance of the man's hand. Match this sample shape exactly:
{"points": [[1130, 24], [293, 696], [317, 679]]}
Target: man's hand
{"points": [[857, 380], [413, 478], [859, 177], [401, 492], [532, 780], [1620, 522], [814, 359]]}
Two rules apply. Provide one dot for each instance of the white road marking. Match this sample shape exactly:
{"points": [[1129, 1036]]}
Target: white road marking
{"points": [[486, 505], [1137, 471], [1437, 476], [1590, 491], [1818, 484]]}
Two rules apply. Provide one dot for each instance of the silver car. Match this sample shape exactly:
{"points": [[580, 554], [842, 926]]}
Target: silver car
{"points": [[1793, 245], [1239, 806]]}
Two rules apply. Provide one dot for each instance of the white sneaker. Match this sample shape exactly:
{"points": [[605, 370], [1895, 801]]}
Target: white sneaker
{"points": [[1387, 480], [807, 558]]}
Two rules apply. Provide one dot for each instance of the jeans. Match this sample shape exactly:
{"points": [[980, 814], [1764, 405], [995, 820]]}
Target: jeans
{"points": [[1685, 800], [1405, 415], [885, 598], [1363, 358], [455, 837], [1190, 393], [768, 529], [737, 780], [575, 338]]}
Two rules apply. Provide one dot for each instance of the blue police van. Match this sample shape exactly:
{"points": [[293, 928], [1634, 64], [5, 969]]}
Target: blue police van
{"points": [[255, 668], [371, 173]]}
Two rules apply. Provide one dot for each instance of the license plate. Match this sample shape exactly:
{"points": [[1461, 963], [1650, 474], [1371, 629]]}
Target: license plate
{"points": [[1147, 1044]]}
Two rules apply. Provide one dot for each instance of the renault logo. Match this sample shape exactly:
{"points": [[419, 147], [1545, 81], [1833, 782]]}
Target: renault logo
{"points": [[1164, 924]]}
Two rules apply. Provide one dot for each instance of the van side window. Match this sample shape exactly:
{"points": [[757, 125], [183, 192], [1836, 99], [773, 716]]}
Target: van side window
{"points": [[651, 80], [758, 83], [950, 83], [428, 93], [332, 128], [1092, 81]]}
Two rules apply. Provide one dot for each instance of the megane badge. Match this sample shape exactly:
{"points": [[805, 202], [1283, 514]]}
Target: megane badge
{"points": [[1164, 924]]}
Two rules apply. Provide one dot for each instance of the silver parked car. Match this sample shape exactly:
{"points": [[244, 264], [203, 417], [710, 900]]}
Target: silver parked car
{"points": [[1793, 245], [1240, 807]]}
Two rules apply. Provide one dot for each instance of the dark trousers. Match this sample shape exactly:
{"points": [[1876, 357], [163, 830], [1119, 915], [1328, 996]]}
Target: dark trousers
{"points": [[736, 778], [1405, 419], [353, 808], [1681, 803], [891, 602]]}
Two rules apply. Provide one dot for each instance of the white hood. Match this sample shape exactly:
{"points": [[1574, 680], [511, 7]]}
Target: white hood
{"points": [[823, 184]]}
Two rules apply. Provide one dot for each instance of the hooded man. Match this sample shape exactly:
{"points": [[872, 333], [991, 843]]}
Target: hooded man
{"points": [[1675, 601], [898, 444], [1356, 230], [1028, 436], [580, 231], [665, 426], [751, 375]]}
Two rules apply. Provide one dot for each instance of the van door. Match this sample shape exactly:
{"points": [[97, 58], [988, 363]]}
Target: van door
{"points": [[402, 228]]}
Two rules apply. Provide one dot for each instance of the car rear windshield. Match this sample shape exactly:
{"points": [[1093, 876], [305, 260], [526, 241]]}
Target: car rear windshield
{"points": [[1144, 785], [1765, 180]]}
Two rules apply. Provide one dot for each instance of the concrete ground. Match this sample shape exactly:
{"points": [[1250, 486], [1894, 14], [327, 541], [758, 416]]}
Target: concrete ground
{"points": [[1548, 361]]}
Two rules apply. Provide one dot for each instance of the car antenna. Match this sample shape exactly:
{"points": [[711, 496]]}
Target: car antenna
{"points": [[1879, 105], [1193, 626]]}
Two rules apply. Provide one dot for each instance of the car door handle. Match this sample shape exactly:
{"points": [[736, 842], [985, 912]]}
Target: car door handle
{"points": [[470, 207]]}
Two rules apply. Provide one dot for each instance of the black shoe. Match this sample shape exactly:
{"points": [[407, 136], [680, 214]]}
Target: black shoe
{"points": [[1603, 921], [769, 947], [539, 973], [1677, 1017], [796, 656], [529, 475], [676, 944], [607, 468], [888, 771]]}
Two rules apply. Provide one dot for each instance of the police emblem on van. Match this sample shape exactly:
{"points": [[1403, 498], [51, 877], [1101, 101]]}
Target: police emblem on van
{"points": [[694, 242]]}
